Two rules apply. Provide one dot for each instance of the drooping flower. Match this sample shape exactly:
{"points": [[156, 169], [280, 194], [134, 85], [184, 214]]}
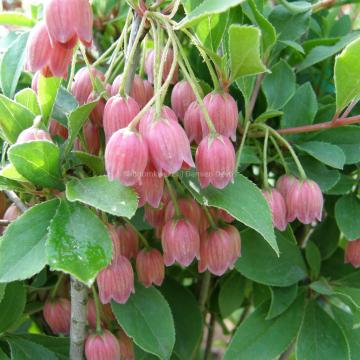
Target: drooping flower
{"points": [[126, 346], [57, 314], [352, 253], [278, 208], [149, 66], [193, 122], [150, 267], [128, 241], [181, 97], [102, 346]]}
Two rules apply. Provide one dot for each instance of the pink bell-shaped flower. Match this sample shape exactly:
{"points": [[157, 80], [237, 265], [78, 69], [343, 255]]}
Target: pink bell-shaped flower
{"points": [[352, 253], [189, 208], [35, 81], [223, 111], [57, 314], [118, 114], [217, 251], [304, 202], [181, 97], [234, 234], [278, 208], [284, 184], [149, 66], [126, 346], [215, 161], [92, 139], [33, 134], [128, 241], [180, 241], [102, 346], [56, 129], [193, 122], [150, 267], [168, 145], [224, 216], [141, 91], [155, 217], [126, 157], [97, 114], [116, 281], [68, 21]]}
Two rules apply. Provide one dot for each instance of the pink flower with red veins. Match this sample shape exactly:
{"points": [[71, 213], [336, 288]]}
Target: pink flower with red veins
{"points": [[51, 60], [116, 282], [68, 21], [35, 81], [126, 157], [142, 90], [149, 118], [151, 188], [189, 208], [155, 217], [102, 346], [181, 97], [193, 122], [116, 250], [180, 241], [168, 145], [150, 267], [126, 346], [284, 184], [56, 129], [118, 114], [82, 87], [216, 252], [304, 202], [97, 114], [149, 66], [128, 241], [224, 216], [234, 234], [57, 314], [215, 161], [352, 253], [223, 111], [278, 208], [33, 134]]}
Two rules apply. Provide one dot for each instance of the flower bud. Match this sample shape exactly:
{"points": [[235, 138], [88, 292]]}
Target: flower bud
{"points": [[284, 184], [189, 208], [352, 253], [150, 267], [128, 241], [223, 111], [91, 137], [216, 252], [103, 346], [215, 162], [126, 346], [12, 213], [168, 145], [56, 129], [68, 21], [33, 134], [118, 114], [57, 314], [278, 208], [180, 241], [141, 91], [181, 97], [149, 66], [116, 281], [234, 234], [304, 202], [193, 123], [126, 157]]}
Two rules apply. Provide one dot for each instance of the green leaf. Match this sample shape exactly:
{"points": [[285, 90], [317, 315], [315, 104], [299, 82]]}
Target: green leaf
{"points": [[27, 97], [94, 163], [244, 47], [320, 337], [301, 108], [47, 91], [294, 45], [2, 291], [12, 305], [22, 247], [22, 349], [279, 86], [246, 86], [347, 213], [64, 105], [270, 114], [296, 7], [78, 242], [257, 336], [10, 173], [8, 184], [232, 294], [76, 121], [281, 299], [260, 264], [3, 356], [12, 64], [103, 194], [187, 318], [15, 18], [313, 258], [343, 186], [242, 199], [14, 118], [206, 8], [328, 154], [39, 162], [346, 72], [146, 317]]}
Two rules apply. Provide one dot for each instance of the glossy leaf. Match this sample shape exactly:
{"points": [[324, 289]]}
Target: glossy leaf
{"points": [[281, 299], [78, 242], [39, 162], [257, 336], [140, 316], [242, 199], [14, 118], [28, 98], [259, 263], [12, 64], [22, 247], [47, 91], [320, 337], [103, 194], [347, 211], [244, 48]]}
